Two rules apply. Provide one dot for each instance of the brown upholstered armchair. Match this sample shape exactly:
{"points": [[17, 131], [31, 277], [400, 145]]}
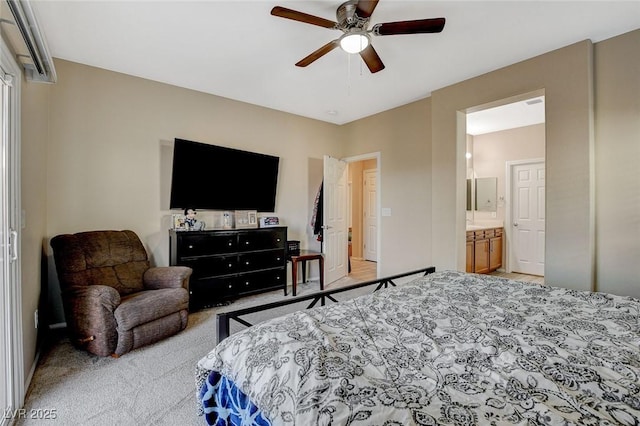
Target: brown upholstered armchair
{"points": [[113, 300]]}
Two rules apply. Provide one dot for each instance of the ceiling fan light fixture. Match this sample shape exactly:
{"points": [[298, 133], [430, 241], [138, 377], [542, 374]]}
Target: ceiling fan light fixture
{"points": [[354, 42]]}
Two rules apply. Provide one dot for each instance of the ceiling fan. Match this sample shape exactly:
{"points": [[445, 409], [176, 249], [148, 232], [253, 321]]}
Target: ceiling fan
{"points": [[353, 20]]}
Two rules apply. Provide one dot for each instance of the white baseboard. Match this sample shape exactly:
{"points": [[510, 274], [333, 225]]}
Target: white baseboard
{"points": [[36, 359], [32, 371]]}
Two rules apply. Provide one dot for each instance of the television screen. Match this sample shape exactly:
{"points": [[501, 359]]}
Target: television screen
{"points": [[214, 177]]}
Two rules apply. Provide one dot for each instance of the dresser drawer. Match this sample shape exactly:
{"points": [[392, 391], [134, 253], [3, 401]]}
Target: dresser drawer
{"points": [[212, 265], [208, 292], [202, 244], [260, 260], [261, 239], [253, 281]]}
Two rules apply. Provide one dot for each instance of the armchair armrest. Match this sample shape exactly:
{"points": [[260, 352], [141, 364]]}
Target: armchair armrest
{"points": [[94, 296], [89, 312], [167, 277]]}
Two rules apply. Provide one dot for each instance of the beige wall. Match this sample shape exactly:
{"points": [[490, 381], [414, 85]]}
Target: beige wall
{"points": [[565, 75], [402, 136], [109, 138], [34, 111], [491, 151], [617, 109]]}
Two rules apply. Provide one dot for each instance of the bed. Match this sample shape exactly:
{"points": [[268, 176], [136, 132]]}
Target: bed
{"points": [[449, 348]]}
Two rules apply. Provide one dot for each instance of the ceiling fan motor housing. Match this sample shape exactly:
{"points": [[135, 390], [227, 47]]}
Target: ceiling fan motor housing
{"points": [[348, 20]]}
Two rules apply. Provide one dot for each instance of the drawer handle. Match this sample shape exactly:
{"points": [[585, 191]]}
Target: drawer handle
{"points": [[246, 242], [246, 263], [246, 283], [229, 285], [230, 265], [278, 258], [278, 239], [230, 243], [190, 247]]}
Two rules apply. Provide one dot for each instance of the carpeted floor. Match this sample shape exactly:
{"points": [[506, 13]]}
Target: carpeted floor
{"points": [[151, 385]]}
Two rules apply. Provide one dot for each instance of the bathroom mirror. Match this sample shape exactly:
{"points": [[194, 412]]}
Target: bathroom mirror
{"points": [[486, 194]]}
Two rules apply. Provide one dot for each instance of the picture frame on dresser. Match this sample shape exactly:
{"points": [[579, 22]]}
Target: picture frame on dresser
{"points": [[246, 219], [178, 222], [253, 218]]}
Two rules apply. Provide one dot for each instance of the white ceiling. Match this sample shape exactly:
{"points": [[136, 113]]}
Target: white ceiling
{"points": [[509, 116], [236, 49]]}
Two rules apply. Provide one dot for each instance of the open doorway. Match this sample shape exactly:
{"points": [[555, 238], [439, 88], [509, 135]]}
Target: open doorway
{"points": [[363, 218], [505, 144]]}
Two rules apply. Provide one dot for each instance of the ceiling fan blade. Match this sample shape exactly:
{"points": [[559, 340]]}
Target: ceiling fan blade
{"points": [[365, 8], [283, 12], [434, 25], [371, 58], [318, 53]]}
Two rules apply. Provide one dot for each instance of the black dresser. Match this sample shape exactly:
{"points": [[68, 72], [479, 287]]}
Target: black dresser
{"points": [[230, 263]]}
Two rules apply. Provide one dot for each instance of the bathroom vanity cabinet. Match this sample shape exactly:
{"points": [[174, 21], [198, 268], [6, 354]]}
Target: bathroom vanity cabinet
{"points": [[484, 250]]}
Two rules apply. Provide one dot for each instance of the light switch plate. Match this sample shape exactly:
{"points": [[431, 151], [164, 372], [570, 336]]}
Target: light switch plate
{"points": [[386, 211]]}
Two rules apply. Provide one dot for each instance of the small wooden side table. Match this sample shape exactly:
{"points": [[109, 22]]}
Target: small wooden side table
{"points": [[303, 257]]}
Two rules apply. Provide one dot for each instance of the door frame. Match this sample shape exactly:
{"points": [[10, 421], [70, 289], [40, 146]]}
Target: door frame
{"points": [[509, 166], [378, 157], [14, 340]]}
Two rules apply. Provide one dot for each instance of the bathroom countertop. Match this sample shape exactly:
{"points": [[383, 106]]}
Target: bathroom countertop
{"points": [[481, 226]]}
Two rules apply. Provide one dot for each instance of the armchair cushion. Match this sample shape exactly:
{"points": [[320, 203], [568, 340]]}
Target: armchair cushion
{"points": [[113, 258], [145, 306]]}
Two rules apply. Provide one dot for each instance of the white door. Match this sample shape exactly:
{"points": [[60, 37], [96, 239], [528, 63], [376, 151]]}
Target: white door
{"points": [[335, 222], [527, 218], [5, 319], [370, 213], [11, 358]]}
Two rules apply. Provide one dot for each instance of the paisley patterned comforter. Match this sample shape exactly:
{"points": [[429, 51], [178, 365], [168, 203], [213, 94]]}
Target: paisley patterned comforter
{"points": [[446, 349]]}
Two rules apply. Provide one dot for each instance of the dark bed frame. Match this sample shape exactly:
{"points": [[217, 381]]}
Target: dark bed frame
{"points": [[224, 318]]}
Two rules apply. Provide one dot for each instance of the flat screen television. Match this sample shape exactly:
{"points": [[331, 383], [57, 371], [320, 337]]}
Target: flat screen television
{"points": [[218, 178]]}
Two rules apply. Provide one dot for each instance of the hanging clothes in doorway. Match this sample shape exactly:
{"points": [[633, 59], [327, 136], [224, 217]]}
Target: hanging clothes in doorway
{"points": [[316, 219]]}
